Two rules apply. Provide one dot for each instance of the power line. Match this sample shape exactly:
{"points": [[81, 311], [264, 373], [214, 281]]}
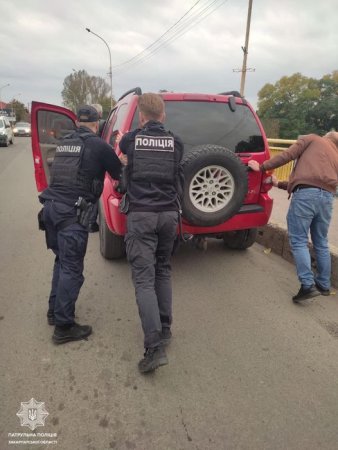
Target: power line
{"points": [[162, 35], [182, 26], [181, 29]]}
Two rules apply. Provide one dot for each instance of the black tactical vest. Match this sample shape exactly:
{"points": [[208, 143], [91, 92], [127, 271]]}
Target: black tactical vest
{"points": [[154, 158], [66, 167]]}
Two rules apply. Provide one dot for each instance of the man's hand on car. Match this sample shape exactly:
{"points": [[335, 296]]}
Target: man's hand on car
{"points": [[254, 165], [271, 180]]}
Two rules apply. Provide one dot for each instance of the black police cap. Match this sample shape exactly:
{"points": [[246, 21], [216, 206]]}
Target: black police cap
{"points": [[87, 114]]}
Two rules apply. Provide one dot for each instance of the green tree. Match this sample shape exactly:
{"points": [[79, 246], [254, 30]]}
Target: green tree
{"points": [[301, 105], [20, 111], [323, 116], [80, 88]]}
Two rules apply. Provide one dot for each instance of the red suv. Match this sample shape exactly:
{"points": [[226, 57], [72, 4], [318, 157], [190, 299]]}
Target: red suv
{"points": [[221, 133]]}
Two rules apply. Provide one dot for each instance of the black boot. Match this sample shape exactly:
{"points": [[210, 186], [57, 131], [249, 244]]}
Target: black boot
{"points": [[153, 358], [305, 293], [93, 227], [74, 332], [165, 336], [50, 317]]}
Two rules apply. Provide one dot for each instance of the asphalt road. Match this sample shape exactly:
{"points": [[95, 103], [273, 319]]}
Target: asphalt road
{"points": [[247, 368]]}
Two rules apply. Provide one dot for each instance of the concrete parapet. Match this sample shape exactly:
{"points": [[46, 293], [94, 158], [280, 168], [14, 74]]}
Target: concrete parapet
{"points": [[274, 236]]}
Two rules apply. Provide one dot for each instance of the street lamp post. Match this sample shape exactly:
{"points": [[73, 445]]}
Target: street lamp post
{"points": [[110, 66], [1, 87]]}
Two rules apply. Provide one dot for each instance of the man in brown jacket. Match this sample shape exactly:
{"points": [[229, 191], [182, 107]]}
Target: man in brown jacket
{"points": [[313, 183]]}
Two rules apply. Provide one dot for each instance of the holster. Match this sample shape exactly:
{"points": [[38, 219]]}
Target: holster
{"points": [[41, 222], [83, 211], [123, 181]]}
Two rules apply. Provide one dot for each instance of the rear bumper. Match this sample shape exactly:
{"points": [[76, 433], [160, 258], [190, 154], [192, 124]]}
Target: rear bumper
{"points": [[249, 216]]}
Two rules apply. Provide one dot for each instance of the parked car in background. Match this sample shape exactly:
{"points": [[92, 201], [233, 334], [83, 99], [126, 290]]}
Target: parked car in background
{"points": [[6, 132], [22, 129], [221, 133]]}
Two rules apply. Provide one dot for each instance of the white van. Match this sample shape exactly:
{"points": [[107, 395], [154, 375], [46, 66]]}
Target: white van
{"points": [[6, 132]]}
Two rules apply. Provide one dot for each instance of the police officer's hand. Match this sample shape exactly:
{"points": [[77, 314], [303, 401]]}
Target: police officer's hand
{"points": [[123, 159], [118, 137]]}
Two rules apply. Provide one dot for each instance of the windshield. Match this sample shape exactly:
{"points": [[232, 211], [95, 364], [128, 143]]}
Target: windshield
{"points": [[198, 123], [22, 124], [2, 125]]}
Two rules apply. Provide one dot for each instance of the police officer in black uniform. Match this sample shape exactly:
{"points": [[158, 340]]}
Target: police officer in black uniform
{"points": [[155, 183], [76, 183]]}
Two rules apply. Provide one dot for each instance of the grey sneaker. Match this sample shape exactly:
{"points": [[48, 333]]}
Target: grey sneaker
{"points": [[153, 358]]}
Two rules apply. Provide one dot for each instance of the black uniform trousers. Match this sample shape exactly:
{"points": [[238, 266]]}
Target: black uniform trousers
{"points": [[149, 243], [69, 245]]}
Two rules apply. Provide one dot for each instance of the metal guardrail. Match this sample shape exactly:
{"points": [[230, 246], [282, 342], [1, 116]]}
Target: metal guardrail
{"points": [[276, 146]]}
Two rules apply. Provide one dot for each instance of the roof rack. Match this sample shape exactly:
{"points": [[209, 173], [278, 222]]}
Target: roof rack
{"points": [[136, 91]]}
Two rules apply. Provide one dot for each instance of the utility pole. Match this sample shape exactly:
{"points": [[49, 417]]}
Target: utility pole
{"points": [[245, 69], [83, 79], [245, 49]]}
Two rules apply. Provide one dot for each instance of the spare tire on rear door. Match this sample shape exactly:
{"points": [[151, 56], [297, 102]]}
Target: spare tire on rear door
{"points": [[216, 183]]}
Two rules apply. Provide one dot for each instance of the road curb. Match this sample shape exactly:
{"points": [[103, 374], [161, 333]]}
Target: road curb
{"points": [[274, 236]]}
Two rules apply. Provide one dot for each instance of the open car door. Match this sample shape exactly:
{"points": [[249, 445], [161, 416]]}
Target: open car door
{"points": [[50, 123]]}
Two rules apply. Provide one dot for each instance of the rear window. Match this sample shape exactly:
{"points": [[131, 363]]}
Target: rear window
{"points": [[198, 123]]}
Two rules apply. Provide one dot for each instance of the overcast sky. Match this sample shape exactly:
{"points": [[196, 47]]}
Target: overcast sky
{"points": [[43, 40]]}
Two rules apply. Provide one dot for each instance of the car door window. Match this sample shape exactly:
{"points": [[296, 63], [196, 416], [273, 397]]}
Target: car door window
{"points": [[52, 127], [117, 121]]}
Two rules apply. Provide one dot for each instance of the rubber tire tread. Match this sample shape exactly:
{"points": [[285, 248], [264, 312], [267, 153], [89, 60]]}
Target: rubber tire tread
{"points": [[112, 246], [240, 239]]}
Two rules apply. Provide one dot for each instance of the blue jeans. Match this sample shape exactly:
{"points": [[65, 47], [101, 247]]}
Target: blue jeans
{"points": [[311, 210]]}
